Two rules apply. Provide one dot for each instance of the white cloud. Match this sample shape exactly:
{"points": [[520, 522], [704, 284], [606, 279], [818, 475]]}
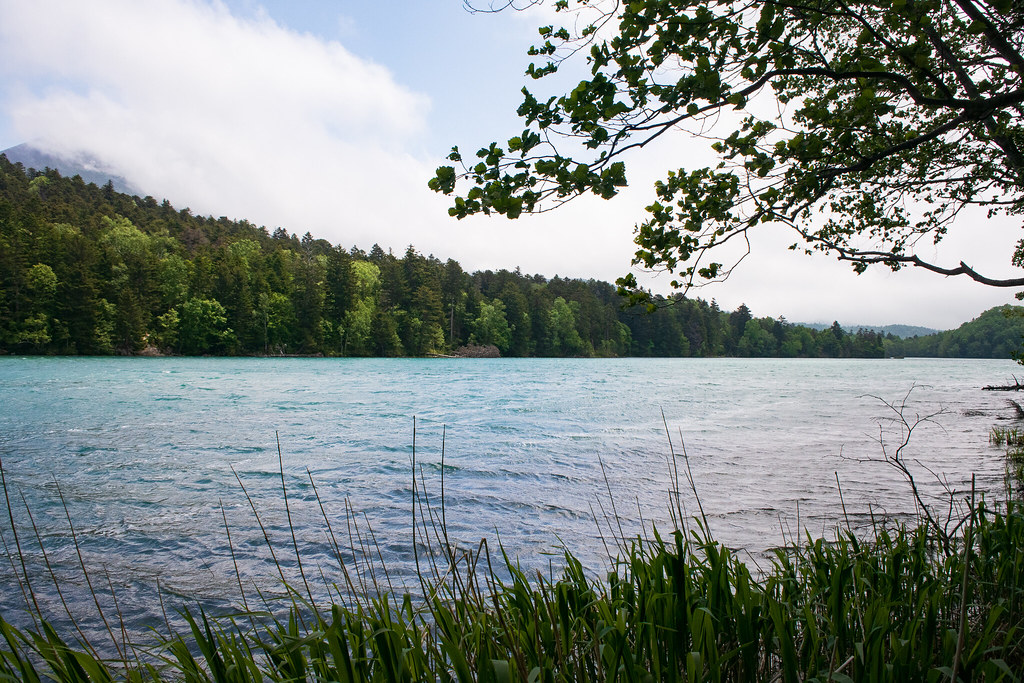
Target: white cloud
{"points": [[230, 116]]}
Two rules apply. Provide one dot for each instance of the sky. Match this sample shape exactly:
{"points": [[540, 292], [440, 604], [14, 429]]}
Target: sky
{"points": [[330, 116]]}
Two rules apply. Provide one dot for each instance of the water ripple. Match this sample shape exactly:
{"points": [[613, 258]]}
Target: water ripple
{"points": [[146, 451]]}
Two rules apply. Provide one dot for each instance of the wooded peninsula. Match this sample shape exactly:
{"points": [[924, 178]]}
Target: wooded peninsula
{"points": [[87, 270]]}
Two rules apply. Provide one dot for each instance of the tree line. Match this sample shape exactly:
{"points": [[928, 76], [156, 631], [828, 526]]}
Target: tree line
{"points": [[87, 270], [996, 333]]}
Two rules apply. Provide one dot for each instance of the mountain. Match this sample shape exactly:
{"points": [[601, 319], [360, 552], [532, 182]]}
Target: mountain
{"points": [[901, 331], [91, 170]]}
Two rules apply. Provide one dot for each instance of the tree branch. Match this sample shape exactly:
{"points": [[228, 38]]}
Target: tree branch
{"points": [[1013, 154], [995, 38], [869, 257]]}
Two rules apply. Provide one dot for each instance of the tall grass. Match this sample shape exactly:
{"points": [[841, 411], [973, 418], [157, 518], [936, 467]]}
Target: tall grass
{"points": [[902, 603], [1011, 437]]}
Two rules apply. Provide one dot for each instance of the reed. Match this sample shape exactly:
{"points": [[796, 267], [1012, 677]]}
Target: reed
{"points": [[1011, 437], [903, 602]]}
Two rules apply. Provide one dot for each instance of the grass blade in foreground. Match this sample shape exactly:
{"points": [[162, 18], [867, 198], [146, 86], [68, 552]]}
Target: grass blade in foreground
{"points": [[906, 603]]}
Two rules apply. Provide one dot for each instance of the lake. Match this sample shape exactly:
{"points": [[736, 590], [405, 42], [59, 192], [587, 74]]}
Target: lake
{"points": [[151, 456]]}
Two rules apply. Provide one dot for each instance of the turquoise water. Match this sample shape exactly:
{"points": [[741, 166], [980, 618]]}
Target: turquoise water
{"points": [[146, 453]]}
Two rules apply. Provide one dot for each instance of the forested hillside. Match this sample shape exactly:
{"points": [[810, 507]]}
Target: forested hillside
{"points": [[996, 333], [86, 270]]}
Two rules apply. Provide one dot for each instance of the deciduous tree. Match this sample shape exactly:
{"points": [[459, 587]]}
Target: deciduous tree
{"points": [[866, 126]]}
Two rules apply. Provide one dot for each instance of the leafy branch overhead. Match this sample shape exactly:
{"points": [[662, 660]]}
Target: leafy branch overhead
{"points": [[865, 126]]}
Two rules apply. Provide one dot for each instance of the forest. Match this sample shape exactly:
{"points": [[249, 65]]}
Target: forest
{"points": [[87, 270], [996, 333]]}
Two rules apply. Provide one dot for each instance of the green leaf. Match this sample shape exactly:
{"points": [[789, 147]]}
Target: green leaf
{"points": [[443, 180]]}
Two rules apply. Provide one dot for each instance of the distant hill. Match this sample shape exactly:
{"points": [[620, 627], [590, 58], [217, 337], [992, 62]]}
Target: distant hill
{"points": [[91, 170], [901, 331], [996, 333]]}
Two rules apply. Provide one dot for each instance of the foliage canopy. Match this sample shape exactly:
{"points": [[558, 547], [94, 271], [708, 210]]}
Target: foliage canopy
{"points": [[866, 126]]}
